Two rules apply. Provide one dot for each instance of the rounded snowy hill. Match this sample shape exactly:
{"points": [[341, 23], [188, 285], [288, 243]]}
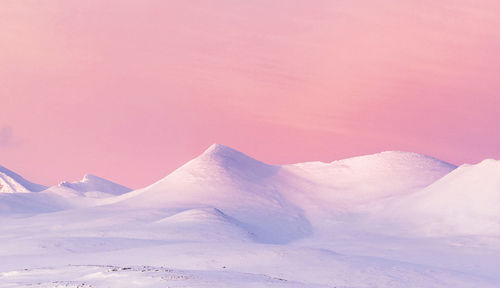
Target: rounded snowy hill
{"points": [[203, 224], [234, 183], [356, 182], [464, 202], [11, 182], [283, 203]]}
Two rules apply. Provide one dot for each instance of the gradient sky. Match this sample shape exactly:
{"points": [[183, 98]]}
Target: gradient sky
{"points": [[130, 90]]}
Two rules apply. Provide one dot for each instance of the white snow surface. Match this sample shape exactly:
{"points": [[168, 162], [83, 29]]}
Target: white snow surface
{"points": [[11, 182], [224, 219], [90, 191], [91, 183], [466, 201]]}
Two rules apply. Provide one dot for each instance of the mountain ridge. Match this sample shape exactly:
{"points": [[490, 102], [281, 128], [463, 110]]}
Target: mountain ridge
{"points": [[11, 182], [91, 183]]}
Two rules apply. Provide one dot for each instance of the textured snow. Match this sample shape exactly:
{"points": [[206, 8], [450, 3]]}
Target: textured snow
{"points": [[224, 219]]}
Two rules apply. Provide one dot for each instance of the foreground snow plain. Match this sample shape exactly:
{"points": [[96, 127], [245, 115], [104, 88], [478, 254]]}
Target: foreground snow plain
{"points": [[392, 219]]}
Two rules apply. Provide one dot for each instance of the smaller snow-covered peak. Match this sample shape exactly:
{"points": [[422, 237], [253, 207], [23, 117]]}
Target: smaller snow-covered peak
{"points": [[483, 172], [11, 182], [91, 183], [465, 201], [488, 164], [402, 166], [368, 178], [91, 178]]}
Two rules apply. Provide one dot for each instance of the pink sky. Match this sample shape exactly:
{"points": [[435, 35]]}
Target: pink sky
{"points": [[130, 90]]}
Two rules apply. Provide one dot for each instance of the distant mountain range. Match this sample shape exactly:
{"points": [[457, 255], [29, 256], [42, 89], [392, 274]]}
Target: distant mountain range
{"points": [[391, 219], [280, 203]]}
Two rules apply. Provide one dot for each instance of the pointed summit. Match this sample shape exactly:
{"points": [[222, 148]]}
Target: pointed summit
{"points": [[219, 150], [11, 182], [215, 147], [222, 152], [91, 183], [222, 159], [91, 178]]}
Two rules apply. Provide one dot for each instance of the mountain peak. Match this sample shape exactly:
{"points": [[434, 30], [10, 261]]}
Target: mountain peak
{"points": [[91, 182], [91, 178], [230, 159], [465, 201], [11, 182], [219, 162], [490, 163], [220, 150]]}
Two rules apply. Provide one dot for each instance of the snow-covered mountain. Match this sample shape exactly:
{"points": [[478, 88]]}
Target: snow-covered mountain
{"points": [[234, 183], [11, 182], [354, 184], [464, 202], [226, 219], [90, 191], [91, 183], [283, 203]]}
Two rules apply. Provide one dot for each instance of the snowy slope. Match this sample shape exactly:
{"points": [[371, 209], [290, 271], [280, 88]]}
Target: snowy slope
{"points": [[90, 191], [204, 224], [91, 183], [225, 219], [283, 203], [466, 201], [11, 182], [234, 183], [354, 184]]}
